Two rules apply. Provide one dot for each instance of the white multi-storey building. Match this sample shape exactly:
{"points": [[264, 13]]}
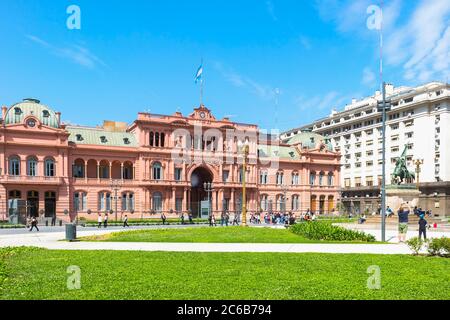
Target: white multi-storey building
{"points": [[418, 121]]}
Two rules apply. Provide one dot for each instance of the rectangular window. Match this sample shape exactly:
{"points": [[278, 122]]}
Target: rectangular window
{"points": [[178, 174], [225, 175], [178, 204], [358, 182]]}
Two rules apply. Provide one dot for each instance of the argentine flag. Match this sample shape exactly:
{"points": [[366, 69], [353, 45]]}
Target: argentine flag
{"points": [[199, 73]]}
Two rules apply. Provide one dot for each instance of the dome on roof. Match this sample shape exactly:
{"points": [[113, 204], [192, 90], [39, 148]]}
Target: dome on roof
{"points": [[308, 139], [31, 107]]}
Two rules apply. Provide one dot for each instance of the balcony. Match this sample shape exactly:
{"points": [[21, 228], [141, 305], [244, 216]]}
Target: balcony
{"points": [[31, 180]]}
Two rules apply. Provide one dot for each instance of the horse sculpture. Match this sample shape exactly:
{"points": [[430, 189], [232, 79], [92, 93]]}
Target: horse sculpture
{"points": [[401, 172]]}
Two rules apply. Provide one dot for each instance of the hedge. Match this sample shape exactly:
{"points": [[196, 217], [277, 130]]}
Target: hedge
{"points": [[319, 230]]}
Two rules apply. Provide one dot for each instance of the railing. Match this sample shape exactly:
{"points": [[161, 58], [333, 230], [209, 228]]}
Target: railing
{"points": [[31, 179]]}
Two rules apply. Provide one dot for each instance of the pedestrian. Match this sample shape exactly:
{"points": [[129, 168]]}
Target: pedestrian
{"points": [[213, 220], [54, 220], [422, 226], [403, 213], [163, 218], [222, 219], [210, 220], [227, 218], [235, 220], [105, 221], [182, 218], [99, 220], [125, 221], [191, 220], [34, 224]]}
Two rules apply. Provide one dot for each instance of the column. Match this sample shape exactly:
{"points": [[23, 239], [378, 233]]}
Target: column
{"points": [[174, 195], [121, 170], [110, 170], [98, 171], [232, 200], [185, 204], [85, 170]]}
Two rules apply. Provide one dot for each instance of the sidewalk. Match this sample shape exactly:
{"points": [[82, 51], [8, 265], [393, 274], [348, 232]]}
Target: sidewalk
{"points": [[52, 241]]}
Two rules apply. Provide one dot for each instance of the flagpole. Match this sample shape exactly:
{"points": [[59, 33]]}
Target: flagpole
{"points": [[201, 92]]}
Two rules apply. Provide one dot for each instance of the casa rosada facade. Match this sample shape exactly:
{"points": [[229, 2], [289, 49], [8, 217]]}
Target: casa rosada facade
{"points": [[159, 163]]}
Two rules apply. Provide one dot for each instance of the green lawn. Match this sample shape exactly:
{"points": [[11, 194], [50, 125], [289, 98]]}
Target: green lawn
{"points": [[205, 235], [42, 274]]}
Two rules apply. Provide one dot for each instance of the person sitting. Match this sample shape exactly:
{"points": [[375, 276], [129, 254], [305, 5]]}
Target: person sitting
{"points": [[362, 219]]}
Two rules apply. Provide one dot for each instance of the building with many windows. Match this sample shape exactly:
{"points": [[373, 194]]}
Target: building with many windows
{"points": [[418, 121], [157, 164]]}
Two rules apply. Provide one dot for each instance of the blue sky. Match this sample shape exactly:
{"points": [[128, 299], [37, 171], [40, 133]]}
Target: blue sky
{"points": [[132, 56]]}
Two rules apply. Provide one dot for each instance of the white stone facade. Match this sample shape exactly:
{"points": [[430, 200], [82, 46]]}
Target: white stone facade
{"points": [[419, 119]]}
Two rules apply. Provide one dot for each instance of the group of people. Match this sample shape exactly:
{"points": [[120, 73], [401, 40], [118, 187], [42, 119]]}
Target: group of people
{"points": [[403, 213], [103, 221]]}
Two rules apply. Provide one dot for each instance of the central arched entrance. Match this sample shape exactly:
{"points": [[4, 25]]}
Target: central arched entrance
{"points": [[198, 194]]}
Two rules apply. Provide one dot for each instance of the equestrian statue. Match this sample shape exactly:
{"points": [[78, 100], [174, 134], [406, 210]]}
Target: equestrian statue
{"points": [[401, 172]]}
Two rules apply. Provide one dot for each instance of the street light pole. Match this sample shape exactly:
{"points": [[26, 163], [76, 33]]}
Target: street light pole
{"points": [[383, 179], [244, 173], [418, 163], [115, 186]]}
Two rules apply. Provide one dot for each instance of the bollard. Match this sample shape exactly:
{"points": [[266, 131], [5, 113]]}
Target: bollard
{"points": [[71, 232]]}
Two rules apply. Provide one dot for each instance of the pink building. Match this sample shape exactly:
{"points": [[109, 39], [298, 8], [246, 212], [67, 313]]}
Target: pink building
{"points": [[157, 163]]}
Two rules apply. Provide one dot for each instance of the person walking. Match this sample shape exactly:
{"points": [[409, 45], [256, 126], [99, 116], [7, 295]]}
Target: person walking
{"points": [[210, 220], [422, 226], [191, 218], [105, 221], [99, 220], [403, 213], [34, 224], [125, 221], [54, 220], [163, 218], [213, 220], [227, 218]]}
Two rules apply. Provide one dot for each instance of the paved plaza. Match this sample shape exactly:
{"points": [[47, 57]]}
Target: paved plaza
{"points": [[52, 239]]}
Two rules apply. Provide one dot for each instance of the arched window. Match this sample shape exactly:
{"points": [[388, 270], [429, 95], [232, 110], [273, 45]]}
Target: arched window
{"points": [[14, 166], [127, 201], [330, 179], [15, 194], [280, 179], [312, 178], [157, 202], [156, 139], [32, 167], [279, 204], [152, 136], [263, 177], [295, 204], [80, 201], [295, 180], [264, 202], [104, 201], [157, 171], [49, 169], [45, 117], [321, 174], [163, 138]]}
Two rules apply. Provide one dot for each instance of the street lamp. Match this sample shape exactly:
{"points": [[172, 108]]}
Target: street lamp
{"points": [[245, 150], [115, 186], [284, 188], [418, 163], [208, 187]]}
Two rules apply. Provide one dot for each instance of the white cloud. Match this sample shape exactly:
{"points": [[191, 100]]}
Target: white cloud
{"points": [[419, 43], [271, 10], [321, 102], [304, 41], [75, 53], [369, 78], [240, 81]]}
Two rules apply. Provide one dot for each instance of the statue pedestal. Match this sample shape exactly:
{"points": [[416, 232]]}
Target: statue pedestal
{"points": [[396, 195]]}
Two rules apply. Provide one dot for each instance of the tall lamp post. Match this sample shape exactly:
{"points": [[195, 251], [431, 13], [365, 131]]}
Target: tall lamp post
{"points": [[245, 151], [383, 106], [284, 188], [115, 186], [418, 163], [208, 187]]}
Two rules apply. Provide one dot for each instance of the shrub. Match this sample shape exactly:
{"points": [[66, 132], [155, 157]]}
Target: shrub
{"points": [[439, 247], [415, 244], [319, 230]]}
